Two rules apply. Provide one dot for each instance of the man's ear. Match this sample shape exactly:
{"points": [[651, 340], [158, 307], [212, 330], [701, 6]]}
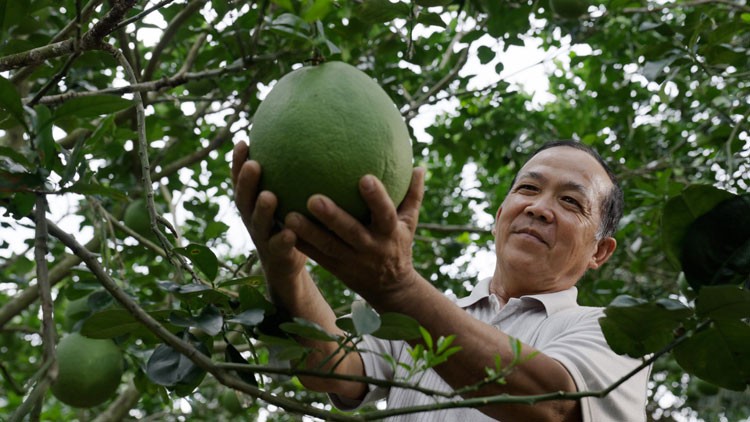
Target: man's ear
{"points": [[497, 215], [604, 249]]}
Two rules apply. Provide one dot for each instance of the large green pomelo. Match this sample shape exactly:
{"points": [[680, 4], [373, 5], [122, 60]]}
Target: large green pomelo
{"points": [[89, 370], [320, 129]]}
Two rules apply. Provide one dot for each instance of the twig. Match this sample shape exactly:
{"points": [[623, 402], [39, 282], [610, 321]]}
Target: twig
{"points": [[143, 14], [182, 16], [448, 228], [159, 84], [42, 276], [85, 14], [145, 167]]}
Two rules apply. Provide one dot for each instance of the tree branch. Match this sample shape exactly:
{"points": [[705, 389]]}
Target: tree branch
{"points": [[89, 41], [181, 346], [448, 228], [192, 7]]}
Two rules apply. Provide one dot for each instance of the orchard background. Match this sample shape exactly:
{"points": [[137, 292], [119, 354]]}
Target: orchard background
{"points": [[104, 103]]}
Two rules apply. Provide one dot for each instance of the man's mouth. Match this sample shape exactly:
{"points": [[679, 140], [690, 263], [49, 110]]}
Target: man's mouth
{"points": [[533, 233]]}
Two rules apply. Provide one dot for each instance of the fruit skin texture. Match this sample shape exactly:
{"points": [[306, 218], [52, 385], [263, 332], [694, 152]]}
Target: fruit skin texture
{"points": [[89, 370], [320, 129]]}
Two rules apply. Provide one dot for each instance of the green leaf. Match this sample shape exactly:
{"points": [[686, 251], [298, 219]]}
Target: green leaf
{"points": [[210, 320], [718, 354], [44, 142], [172, 369], [116, 322], [95, 189], [252, 298], [202, 257], [10, 101], [251, 280], [380, 11], [485, 54], [431, 19], [92, 106], [635, 327], [395, 326], [249, 318], [232, 355], [365, 319], [319, 9], [723, 302], [680, 211], [716, 247], [307, 329], [76, 157]]}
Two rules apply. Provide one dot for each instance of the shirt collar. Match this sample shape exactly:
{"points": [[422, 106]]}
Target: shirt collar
{"points": [[552, 302]]}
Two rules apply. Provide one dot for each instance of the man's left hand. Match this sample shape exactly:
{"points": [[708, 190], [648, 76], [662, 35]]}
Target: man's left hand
{"points": [[373, 260]]}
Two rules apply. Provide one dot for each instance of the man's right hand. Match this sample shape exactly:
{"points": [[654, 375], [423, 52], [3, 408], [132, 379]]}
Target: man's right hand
{"points": [[281, 261]]}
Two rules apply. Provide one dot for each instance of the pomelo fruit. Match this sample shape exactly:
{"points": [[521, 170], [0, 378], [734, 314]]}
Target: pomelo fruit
{"points": [[89, 370], [320, 129], [136, 217]]}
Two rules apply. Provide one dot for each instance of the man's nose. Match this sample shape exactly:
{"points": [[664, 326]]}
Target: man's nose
{"points": [[540, 209]]}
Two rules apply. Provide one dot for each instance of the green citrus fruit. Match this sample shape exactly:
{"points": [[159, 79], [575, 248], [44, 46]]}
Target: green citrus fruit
{"points": [[230, 402], [569, 9], [89, 370], [320, 129], [136, 217]]}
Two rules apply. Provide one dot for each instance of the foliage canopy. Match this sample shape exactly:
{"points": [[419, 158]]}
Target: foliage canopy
{"points": [[105, 103]]}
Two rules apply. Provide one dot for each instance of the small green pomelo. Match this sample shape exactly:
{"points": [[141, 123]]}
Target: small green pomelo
{"points": [[320, 129], [136, 217], [230, 402], [89, 370]]}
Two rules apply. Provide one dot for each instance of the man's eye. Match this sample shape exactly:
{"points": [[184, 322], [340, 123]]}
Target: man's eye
{"points": [[572, 201], [527, 187]]}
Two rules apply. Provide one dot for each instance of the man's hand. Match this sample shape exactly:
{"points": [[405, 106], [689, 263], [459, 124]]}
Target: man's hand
{"points": [[281, 261], [373, 260]]}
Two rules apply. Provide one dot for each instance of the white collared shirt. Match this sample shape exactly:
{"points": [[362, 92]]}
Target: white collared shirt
{"points": [[555, 324]]}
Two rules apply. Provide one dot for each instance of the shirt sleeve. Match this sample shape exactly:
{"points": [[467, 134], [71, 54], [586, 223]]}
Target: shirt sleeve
{"points": [[583, 350], [371, 350]]}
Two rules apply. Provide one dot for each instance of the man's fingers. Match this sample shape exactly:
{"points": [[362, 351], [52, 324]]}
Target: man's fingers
{"points": [[262, 215], [408, 211], [382, 210], [246, 187], [239, 156], [282, 242], [340, 222], [316, 236]]}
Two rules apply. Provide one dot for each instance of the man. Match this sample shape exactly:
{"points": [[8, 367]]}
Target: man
{"points": [[555, 224]]}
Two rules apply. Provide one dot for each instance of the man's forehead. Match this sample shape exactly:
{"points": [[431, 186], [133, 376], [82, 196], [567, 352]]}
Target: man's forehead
{"points": [[576, 167]]}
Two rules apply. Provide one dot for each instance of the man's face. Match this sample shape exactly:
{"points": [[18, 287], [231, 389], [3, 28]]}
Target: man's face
{"points": [[547, 226]]}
